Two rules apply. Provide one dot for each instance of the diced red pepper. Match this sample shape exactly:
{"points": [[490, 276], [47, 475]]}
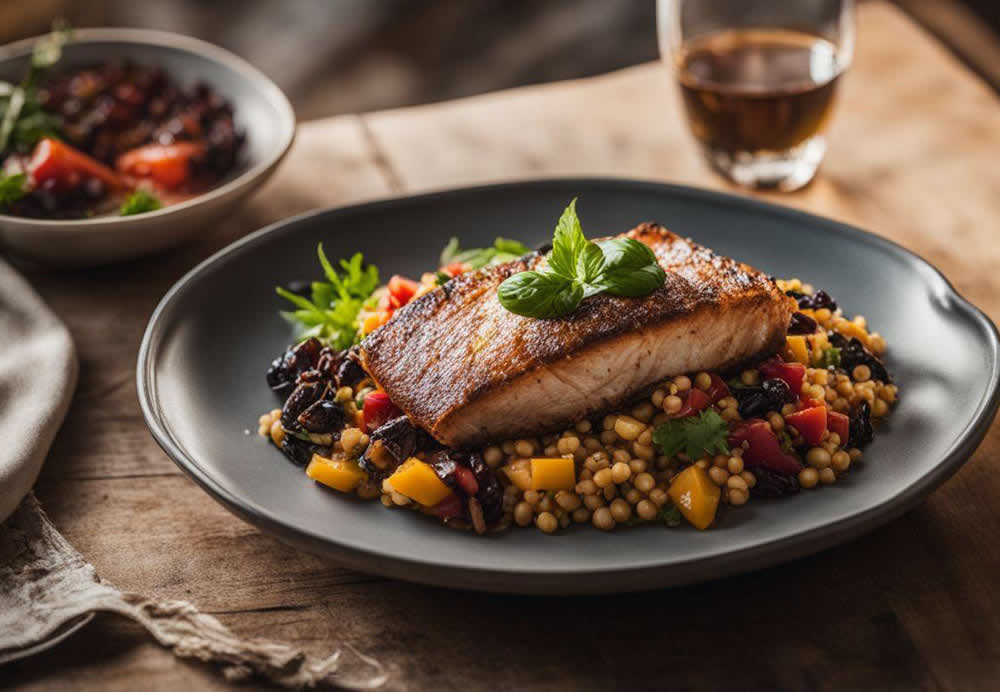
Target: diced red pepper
{"points": [[840, 424], [449, 508], [810, 422], [792, 373], [402, 290], [67, 167], [695, 401], [719, 389], [764, 449], [168, 165], [467, 480], [378, 410]]}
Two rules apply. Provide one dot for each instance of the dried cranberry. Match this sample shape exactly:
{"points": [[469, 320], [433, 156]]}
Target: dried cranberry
{"points": [[301, 451], [861, 430], [802, 324], [323, 417], [853, 353], [819, 299], [300, 399], [284, 370], [756, 401], [773, 484], [350, 372]]}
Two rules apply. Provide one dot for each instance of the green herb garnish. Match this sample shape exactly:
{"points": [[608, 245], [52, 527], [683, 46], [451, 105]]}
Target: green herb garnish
{"points": [[696, 436], [830, 358], [140, 202], [24, 122], [670, 515], [577, 269], [332, 314], [12, 188], [503, 250], [785, 440]]}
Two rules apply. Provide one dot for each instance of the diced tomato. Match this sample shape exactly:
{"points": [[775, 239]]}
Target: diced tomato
{"points": [[402, 289], [840, 424], [810, 422], [378, 410], [719, 389], [449, 508], [467, 480], [455, 268], [764, 449], [792, 373], [168, 165], [695, 401], [67, 167]]}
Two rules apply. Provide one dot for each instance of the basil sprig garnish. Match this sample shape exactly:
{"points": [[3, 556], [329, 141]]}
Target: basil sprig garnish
{"points": [[577, 269]]}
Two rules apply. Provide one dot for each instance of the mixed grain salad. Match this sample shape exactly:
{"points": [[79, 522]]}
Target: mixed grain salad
{"points": [[687, 448]]}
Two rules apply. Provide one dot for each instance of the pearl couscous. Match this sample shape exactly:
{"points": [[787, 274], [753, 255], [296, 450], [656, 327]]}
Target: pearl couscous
{"points": [[694, 447]]}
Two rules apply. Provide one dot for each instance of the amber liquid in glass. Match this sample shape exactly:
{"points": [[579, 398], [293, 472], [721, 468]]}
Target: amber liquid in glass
{"points": [[757, 90]]}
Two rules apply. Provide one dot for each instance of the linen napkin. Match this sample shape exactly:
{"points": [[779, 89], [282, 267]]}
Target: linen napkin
{"points": [[47, 588], [38, 369]]}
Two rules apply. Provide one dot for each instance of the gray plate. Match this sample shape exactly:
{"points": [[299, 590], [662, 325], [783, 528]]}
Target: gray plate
{"points": [[202, 361]]}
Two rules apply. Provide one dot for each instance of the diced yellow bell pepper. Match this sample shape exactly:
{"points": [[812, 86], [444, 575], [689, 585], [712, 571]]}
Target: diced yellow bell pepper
{"points": [[417, 481], [849, 329], [519, 473], [696, 496], [797, 347], [557, 473], [340, 474]]}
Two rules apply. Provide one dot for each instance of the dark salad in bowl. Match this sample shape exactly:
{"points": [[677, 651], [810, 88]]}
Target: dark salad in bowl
{"points": [[115, 138]]}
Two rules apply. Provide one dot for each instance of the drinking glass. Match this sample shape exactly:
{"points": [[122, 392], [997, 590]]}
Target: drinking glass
{"points": [[758, 79]]}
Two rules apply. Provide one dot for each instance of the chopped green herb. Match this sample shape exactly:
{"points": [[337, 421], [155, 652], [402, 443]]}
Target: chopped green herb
{"points": [[140, 202], [830, 358], [578, 269], [670, 515], [332, 314], [441, 278], [23, 121], [12, 188], [696, 436], [503, 250]]}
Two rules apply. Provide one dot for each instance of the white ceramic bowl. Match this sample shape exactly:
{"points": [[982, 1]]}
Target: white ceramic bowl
{"points": [[260, 109]]}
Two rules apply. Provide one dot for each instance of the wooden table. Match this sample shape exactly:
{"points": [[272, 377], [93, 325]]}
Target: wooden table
{"points": [[913, 156]]}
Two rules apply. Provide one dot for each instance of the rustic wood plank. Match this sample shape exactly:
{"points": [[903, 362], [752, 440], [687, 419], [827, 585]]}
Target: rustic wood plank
{"points": [[911, 606]]}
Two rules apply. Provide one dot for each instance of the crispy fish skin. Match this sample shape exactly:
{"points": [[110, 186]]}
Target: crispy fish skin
{"points": [[469, 372]]}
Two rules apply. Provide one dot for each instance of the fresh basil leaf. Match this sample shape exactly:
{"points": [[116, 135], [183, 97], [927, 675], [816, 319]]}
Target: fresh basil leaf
{"points": [[630, 268], [590, 264], [541, 295], [567, 243]]}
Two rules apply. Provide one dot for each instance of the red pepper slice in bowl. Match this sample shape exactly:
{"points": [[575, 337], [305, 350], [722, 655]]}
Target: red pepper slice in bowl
{"points": [[695, 401], [793, 374]]}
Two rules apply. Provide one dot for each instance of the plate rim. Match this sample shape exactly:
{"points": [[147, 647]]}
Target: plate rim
{"points": [[535, 579]]}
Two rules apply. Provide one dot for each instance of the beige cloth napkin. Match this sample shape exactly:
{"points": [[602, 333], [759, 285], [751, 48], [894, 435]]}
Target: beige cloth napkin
{"points": [[37, 377], [46, 586]]}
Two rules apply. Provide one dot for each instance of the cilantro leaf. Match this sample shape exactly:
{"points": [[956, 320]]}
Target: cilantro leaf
{"points": [[830, 358], [670, 515], [696, 436], [12, 188], [140, 202], [332, 313]]}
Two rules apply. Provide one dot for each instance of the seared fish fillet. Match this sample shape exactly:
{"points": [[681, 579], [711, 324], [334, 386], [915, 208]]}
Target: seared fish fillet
{"points": [[468, 371]]}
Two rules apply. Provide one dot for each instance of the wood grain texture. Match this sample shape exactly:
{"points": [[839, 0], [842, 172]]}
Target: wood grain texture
{"points": [[910, 606]]}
